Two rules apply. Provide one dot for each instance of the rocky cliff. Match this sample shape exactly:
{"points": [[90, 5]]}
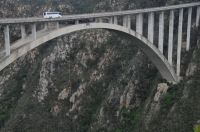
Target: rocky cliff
{"points": [[94, 80]]}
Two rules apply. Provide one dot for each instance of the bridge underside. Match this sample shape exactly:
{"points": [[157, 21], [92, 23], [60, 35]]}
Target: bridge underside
{"points": [[23, 46]]}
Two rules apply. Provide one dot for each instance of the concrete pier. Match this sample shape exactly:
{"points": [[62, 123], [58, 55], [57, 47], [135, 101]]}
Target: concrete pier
{"points": [[125, 21], [150, 26], [46, 26], [77, 22], [189, 28], [139, 23], [161, 31], [111, 20], [128, 21], [180, 26], [197, 17], [56, 25], [115, 20], [170, 39], [23, 31], [7, 40], [34, 31], [100, 20]]}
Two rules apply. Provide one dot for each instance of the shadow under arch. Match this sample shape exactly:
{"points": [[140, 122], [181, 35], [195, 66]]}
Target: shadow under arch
{"points": [[144, 44]]}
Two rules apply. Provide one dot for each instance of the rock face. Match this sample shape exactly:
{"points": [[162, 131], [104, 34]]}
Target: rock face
{"points": [[156, 104], [125, 99], [191, 69], [71, 80], [64, 94], [55, 110], [92, 80], [161, 90], [193, 66]]}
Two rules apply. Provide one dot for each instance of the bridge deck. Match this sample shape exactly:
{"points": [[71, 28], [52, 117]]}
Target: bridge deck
{"points": [[94, 15]]}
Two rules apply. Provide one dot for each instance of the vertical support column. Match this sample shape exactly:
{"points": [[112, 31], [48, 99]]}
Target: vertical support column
{"points": [[161, 31], [7, 40], [56, 25], [125, 21], [46, 25], [180, 25], [150, 26], [128, 21], [77, 22], [115, 20], [189, 28], [23, 31], [197, 17], [139, 23], [34, 30], [100, 20], [110, 20], [96, 20], [170, 39]]}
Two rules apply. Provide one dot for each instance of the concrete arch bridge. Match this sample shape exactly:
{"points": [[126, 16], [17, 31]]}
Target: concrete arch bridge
{"points": [[155, 53]]}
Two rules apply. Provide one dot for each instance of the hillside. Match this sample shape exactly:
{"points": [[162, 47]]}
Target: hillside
{"points": [[94, 80]]}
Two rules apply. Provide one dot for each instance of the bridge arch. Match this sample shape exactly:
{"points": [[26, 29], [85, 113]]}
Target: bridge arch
{"points": [[144, 44]]}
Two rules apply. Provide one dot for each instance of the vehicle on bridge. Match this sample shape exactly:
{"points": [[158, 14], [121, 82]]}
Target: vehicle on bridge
{"points": [[52, 14]]}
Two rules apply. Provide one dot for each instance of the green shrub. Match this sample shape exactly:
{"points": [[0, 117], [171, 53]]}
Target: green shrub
{"points": [[197, 128], [169, 100]]}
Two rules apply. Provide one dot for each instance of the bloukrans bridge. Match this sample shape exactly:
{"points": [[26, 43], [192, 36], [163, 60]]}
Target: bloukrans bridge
{"points": [[111, 21]]}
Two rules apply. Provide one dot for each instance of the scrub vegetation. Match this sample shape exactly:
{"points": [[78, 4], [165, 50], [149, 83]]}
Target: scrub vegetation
{"points": [[112, 83]]}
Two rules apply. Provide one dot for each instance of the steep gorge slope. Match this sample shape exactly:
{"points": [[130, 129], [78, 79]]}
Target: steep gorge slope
{"points": [[102, 76], [93, 80]]}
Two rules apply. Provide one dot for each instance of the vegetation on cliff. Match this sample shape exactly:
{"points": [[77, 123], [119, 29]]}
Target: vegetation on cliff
{"points": [[94, 80]]}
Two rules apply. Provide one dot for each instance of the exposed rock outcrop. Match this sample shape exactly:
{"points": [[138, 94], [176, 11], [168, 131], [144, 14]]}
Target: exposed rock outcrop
{"points": [[64, 94]]}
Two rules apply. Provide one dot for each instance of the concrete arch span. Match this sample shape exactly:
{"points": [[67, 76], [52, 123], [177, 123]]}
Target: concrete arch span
{"points": [[144, 44]]}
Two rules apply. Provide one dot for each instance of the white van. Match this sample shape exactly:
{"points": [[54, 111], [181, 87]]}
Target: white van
{"points": [[52, 14]]}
